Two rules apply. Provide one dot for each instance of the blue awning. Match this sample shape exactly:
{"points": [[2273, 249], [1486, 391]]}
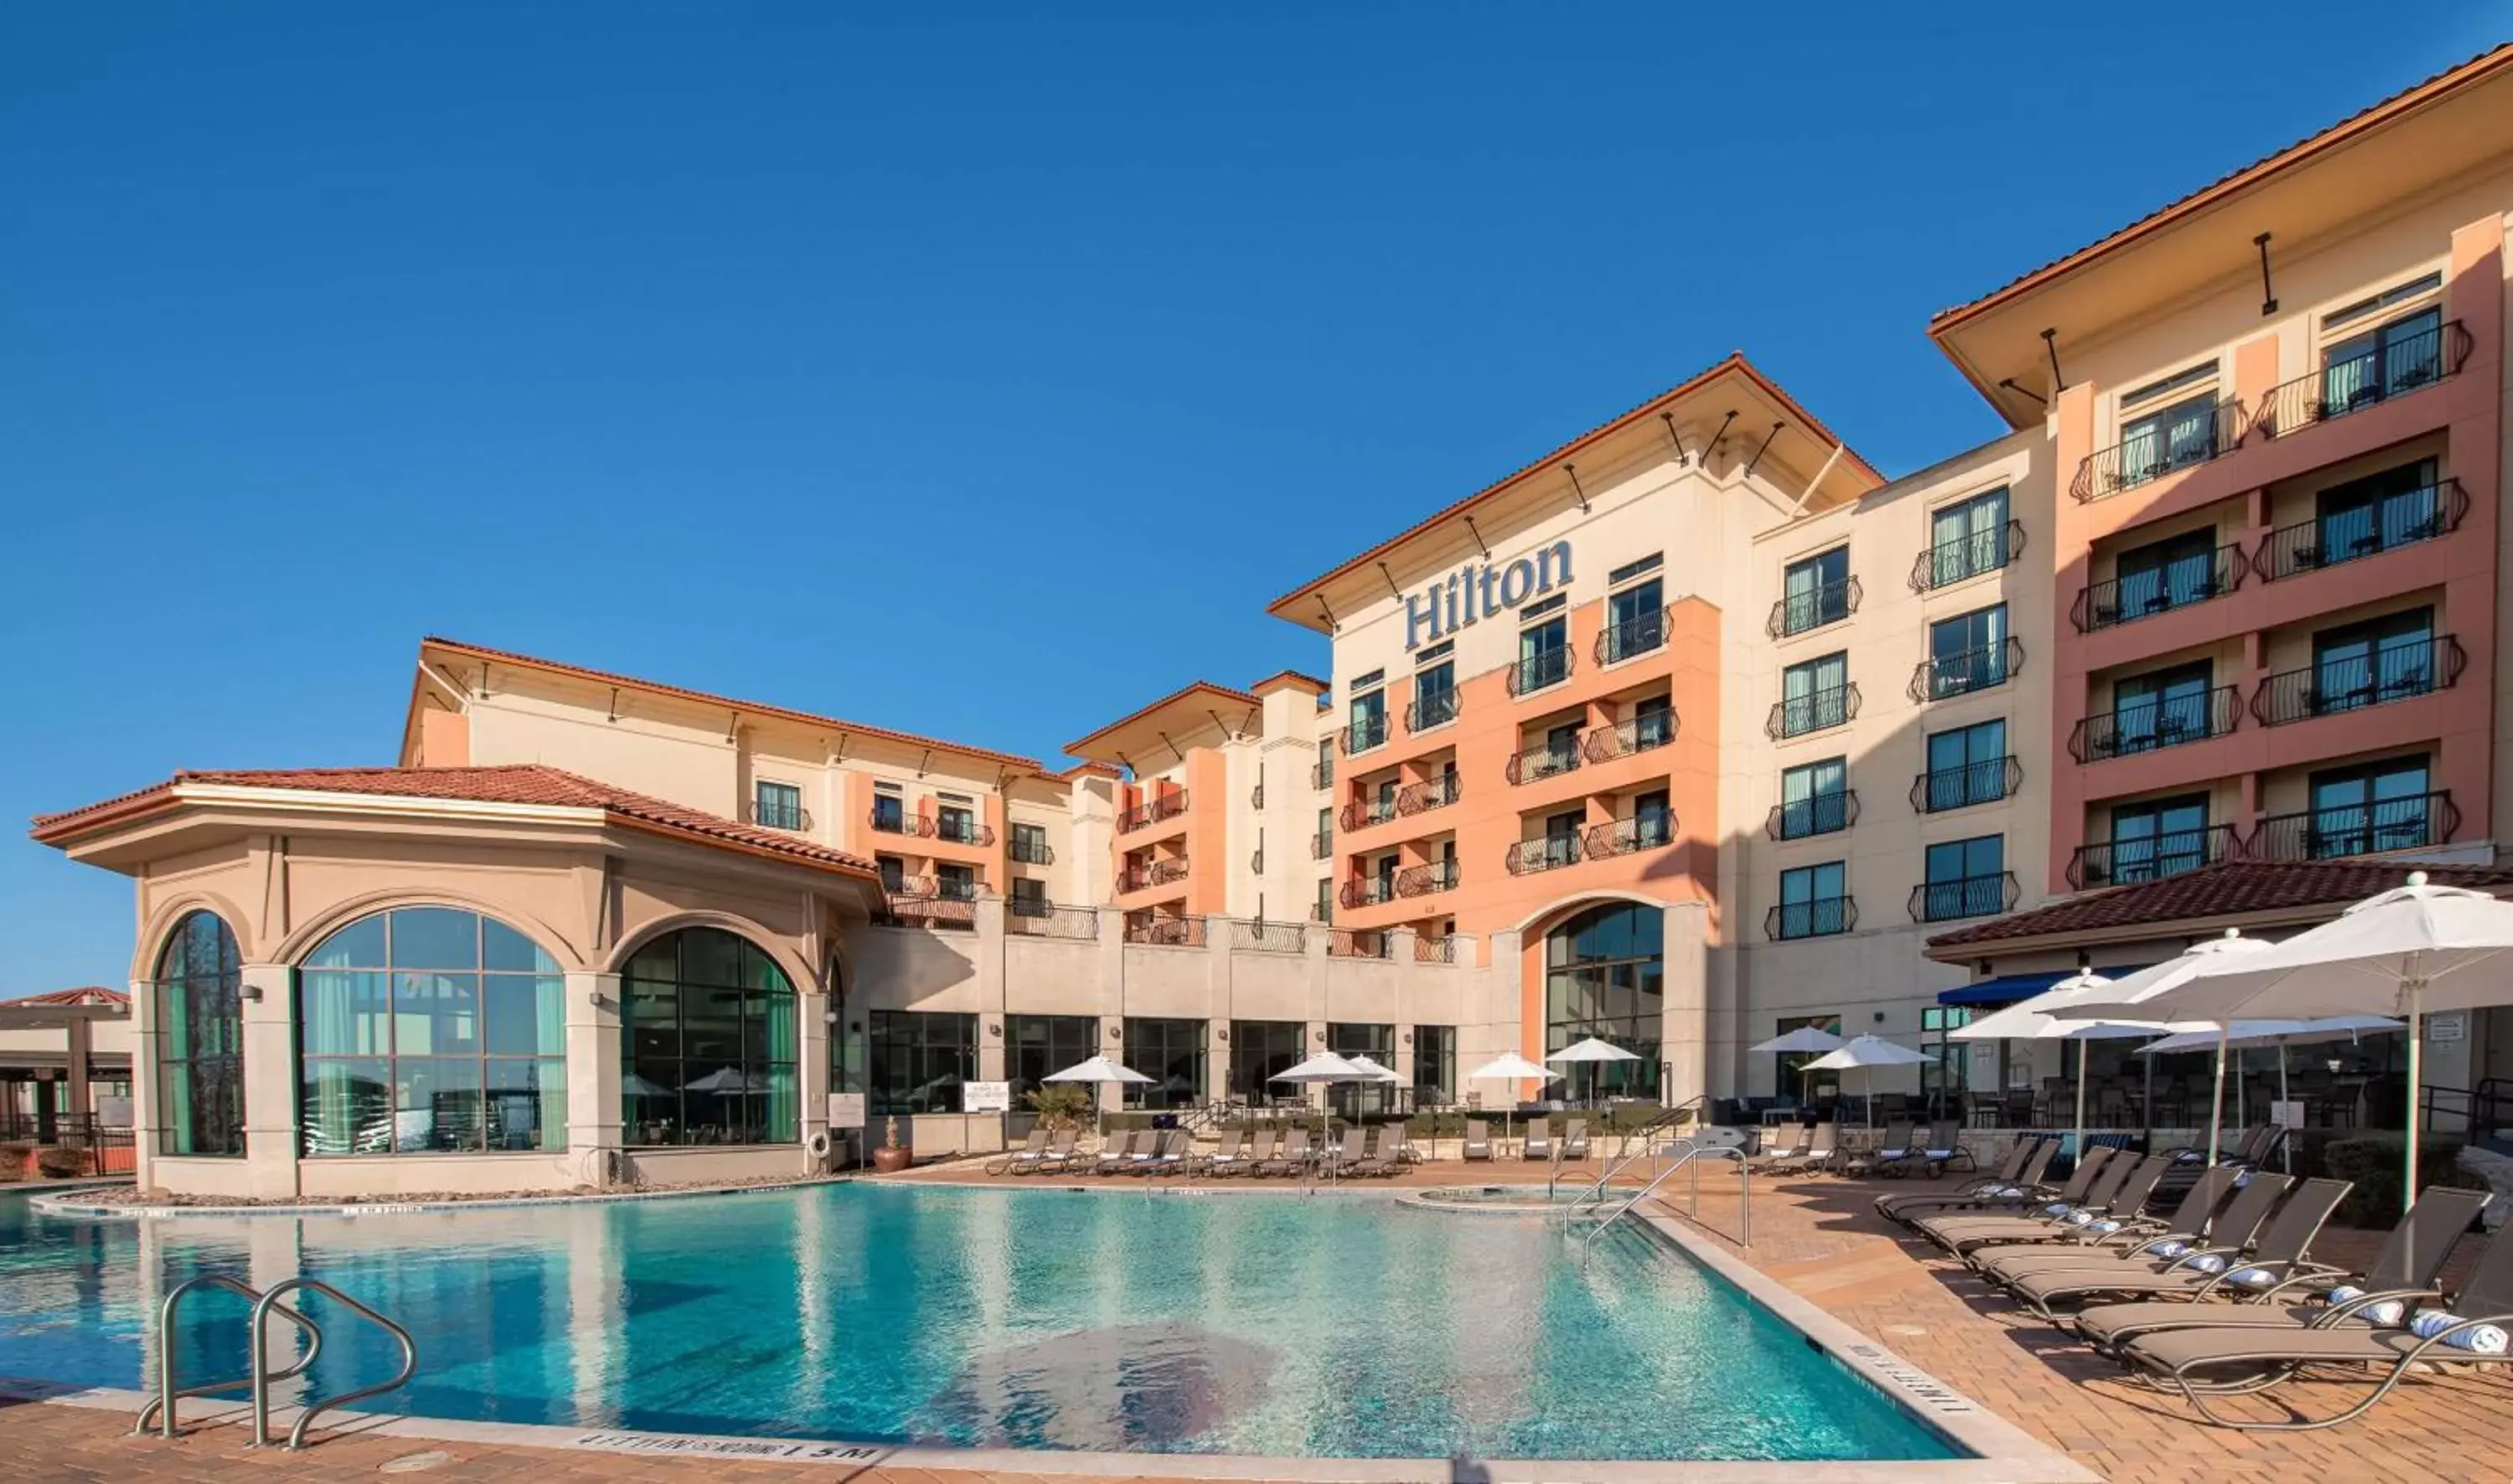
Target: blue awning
{"points": [[2007, 988]]}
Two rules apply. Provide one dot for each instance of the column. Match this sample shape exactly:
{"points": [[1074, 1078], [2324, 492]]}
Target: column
{"points": [[82, 1044], [593, 1075], [144, 1131], [269, 1082]]}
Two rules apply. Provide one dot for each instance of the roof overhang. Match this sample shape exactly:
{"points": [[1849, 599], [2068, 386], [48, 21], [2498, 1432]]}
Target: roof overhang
{"points": [[1159, 735]]}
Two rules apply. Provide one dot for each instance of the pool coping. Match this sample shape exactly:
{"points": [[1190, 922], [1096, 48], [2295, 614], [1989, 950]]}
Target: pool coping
{"points": [[55, 1205]]}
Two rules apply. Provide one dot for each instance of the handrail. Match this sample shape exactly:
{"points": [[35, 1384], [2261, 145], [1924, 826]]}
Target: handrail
{"points": [[1689, 1160], [167, 1392], [306, 1414], [1597, 1188]]}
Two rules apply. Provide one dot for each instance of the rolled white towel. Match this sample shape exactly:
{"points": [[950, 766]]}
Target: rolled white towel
{"points": [[2169, 1249], [2388, 1311], [2242, 1178], [2081, 1218], [2103, 1228], [1891, 1154], [2251, 1277], [2057, 1208], [2208, 1263], [2007, 1191], [2477, 1338], [1940, 1153]]}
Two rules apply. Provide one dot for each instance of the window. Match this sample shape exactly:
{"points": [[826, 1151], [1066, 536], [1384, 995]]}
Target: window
{"points": [[1949, 1071], [1435, 691], [1967, 878], [1604, 976], [1035, 1045], [1362, 1100], [919, 1060], [708, 1029], [1324, 909], [1966, 766], [1258, 1050], [1814, 592], [1029, 898], [429, 1030], [954, 883], [2374, 806], [1653, 722], [1562, 838], [1968, 538], [2152, 840], [1324, 773], [1814, 798], [1815, 901], [1815, 694], [1369, 727], [889, 813], [956, 822], [2398, 355], [1171, 1053], [1635, 611], [2180, 432], [1968, 653], [199, 992], [777, 805], [2162, 709], [1029, 845], [1792, 1064], [2365, 664], [2367, 516], [1435, 1065], [2165, 574], [894, 873], [1543, 649]]}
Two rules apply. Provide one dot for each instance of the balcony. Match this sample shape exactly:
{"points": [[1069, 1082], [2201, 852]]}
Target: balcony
{"points": [[1635, 735], [1545, 853], [1815, 607], [1039, 918], [1359, 943], [898, 822], [1535, 672], [776, 816], [2159, 590], [1628, 834], [1637, 635], [1321, 775], [2365, 380], [2157, 722], [963, 831], [1947, 675], [1967, 896], [1540, 762], [1152, 811], [1438, 707], [924, 901], [1423, 879], [1167, 932], [1032, 850], [1153, 874], [2392, 673], [1814, 711], [1430, 794], [1262, 937], [2153, 454], [1362, 736], [1257, 797], [2119, 862], [1988, 781], [2399, 519], [1964, 557], [1366, 891], [1816, 814], [1431, 950], [1322, 845], [1820, 917], [1362, 813], [2418, 821]]}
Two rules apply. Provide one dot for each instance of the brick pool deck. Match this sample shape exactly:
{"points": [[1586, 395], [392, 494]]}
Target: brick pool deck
{"points": [[1819, 1236]]}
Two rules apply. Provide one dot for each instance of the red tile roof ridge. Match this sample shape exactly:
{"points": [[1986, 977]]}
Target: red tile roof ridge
{"points": [[2227, 888]]}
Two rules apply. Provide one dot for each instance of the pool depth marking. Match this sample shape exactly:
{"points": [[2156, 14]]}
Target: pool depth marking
{"points": [[682, 1445]]}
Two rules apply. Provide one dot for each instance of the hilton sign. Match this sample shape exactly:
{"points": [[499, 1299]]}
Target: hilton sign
{"points": [[1470, 593]]}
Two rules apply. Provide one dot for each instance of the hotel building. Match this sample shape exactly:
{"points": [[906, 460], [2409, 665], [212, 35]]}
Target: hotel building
{"points": [[1691, 730]]}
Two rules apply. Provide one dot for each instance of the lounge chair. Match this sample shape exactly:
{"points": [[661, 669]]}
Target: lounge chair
{"points": [[1291, 1156], [1537, 1144], [1060, 1157], [2118, 1195], [1347, 1155], [1943, 1149], [2169, 1266], [1390, 1152], [2245, 1359], [1022, 1161], [1113, 1154], [1890, 1151], [2114, 1239], [1478, 1139], [2027, 1155], [1262, 1145], [1802, 1144], [2080, 1185], [1822, 1151], [1574, 1140], [1172, 1153], [1228, 1160], [2408, 1261]]}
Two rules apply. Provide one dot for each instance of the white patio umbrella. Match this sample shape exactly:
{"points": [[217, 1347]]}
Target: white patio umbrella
{"points": [[1593, 1051], [1097, 1070], [1802, 1040], [1322, 1070], [1864, 1052], [2047, 1017], [2405, 951], [1512, 1068], [2241, 1035], [2147, 992]]}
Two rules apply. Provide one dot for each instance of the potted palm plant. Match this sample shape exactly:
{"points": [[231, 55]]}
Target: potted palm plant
{"points": [[893, 1157]]}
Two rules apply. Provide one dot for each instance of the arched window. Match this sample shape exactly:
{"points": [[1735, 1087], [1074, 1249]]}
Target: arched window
{"points": [[708, 1038], [430, 1030], [1604, 976], [200, 1039]]}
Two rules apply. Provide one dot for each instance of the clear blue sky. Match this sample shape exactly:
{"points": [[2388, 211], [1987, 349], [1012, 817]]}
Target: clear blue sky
{"points": [[980, 375]]}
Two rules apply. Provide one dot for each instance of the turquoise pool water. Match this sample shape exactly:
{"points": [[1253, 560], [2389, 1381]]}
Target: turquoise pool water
{"points": [[1325, 1326]]}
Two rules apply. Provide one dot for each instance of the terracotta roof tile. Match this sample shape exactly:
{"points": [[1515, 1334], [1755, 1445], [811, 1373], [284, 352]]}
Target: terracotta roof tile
{"points": [[2234, 888], [528, 783], [84, 995]]}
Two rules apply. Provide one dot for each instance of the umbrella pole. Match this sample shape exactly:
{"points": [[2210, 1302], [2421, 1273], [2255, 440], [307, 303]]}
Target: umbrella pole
{"points": [[2146, 1106], [2217, 1098], [2078, 1147], [2416, 1042], [2285, 1147]]}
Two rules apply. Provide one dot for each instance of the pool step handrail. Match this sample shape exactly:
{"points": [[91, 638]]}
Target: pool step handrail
{"points": [[1651, 1149], [162, 1408], [1689, 1159]]}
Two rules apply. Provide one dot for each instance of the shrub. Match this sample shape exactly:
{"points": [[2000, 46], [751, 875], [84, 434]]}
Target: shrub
{"points": [[60, 1163], [15, 1157], [2376, 1162], [1061, 1104]]}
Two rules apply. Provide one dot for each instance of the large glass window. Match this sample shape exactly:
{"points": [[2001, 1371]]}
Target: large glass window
{"points": [[200, 1039], [1968, 538], [1814, 592], [2162, 709], [1792, 1064], [2182, 431], [430, 1030], [1435, 688], [1035, 1045], [1815, 797], [2157, 838], [920, 1060], [1967, 878], [1435, 1065], [2400, 356], [1815, 694], [1604, 976], [1815, 901], [709, 1031], [2374, 513], [2365, 664], [2170, 574], [777, 805], [1260, 1049], [1968, 651], [1966, 766], [1362, 1100], [1369, 710], [2381, 805], [1171, 1052], [1635, 615], [1544, 646]]}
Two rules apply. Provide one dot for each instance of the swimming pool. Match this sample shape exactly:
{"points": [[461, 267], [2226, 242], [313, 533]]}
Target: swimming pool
{"points": [[1326, 1327]]}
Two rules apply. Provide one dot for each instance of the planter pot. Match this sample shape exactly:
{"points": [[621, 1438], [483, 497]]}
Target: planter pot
{"points": [[890, 1161]]}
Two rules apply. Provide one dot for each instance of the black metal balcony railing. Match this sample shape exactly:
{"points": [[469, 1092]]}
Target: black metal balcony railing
{"points": [[2155, 453], [1967, 896], [1362, 813], [2159, 590], [1637, 635], [1815, 711], [2402, 519], [1321, 775], [1322, 844], [1621, 837], [1362, 736], [1820, 917], [1816, 814], [776, 816], [1167, 932], [1633, 735], [1432, 949], [1430, 794], [1534, 671], [1947, 675], [1366, 891], [1425, 878], [898, 822], [1545, 853], [1152, 811], [1958, 558], [1152, 873], [2394, 672], [1813, 607], [1542, 762], [2416, 822], [1262, 937], [1257, 860], [1358, 943], [2165, 720], [1437, 708], [1963, 785], [924, 901], [2360, 381], [1039, 918], [2126, 862], [963, 831], [1032, 850]]}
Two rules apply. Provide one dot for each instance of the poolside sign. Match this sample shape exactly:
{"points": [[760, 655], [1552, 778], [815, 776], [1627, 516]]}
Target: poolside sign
{"points": [[846, 1110], [985, 1097]]}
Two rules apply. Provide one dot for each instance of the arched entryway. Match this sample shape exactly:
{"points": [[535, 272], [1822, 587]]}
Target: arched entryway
{"points": [[1604, 977]]}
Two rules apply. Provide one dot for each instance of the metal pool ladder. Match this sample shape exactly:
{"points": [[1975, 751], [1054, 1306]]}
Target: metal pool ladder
{"points": [[1689, 1159], [265, 1304]]}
